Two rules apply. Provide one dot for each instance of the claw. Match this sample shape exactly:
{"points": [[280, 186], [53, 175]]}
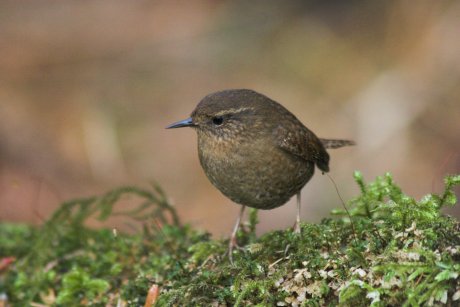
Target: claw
{"points": [[233, 245]]}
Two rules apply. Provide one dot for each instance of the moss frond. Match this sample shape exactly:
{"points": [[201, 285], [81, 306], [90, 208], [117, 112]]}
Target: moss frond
{"points": [[400, 251]]}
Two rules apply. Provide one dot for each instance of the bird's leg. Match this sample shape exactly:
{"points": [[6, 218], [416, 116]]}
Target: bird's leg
{"points": [[297, 221], [233, 242]]}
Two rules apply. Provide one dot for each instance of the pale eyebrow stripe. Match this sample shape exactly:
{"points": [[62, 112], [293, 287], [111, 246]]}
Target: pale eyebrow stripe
{"points": [[233, 111]]}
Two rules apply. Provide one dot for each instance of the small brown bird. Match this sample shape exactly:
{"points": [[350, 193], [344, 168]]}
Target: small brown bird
{"points": [[255, 151]]}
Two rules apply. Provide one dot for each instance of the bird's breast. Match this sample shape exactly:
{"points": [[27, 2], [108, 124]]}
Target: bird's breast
{"points": [[255, 173]]}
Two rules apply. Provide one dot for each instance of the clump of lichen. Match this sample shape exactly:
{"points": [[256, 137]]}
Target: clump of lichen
{"points": [[388, 249]]}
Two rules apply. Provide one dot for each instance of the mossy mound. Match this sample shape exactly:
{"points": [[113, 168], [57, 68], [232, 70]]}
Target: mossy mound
{"points": [[388, 249]]}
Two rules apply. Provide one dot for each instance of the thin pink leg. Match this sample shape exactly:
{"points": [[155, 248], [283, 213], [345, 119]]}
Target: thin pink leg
{"points": [[233, 242], [297, 221]]}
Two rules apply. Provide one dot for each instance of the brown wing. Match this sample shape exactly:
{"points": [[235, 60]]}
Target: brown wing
{"points": [[302, 143]]}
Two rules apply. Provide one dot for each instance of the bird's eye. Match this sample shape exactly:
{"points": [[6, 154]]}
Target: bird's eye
{"points": [[218, 120]]}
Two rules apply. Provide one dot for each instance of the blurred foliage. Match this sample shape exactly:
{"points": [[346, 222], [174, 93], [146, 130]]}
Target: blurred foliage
{"points": [[399, 252]]}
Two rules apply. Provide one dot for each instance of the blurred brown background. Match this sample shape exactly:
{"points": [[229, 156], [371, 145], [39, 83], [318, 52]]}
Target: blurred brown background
{"points": [[87, 87]]}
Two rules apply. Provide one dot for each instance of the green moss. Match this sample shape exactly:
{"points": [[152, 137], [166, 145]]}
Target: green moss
{"points": [[388, 249]]}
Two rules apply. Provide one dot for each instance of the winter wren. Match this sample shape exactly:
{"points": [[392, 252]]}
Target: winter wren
{"points": [[255, 151]]}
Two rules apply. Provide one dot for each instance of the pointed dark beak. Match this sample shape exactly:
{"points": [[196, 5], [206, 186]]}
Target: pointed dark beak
{"points": [[183, 123]]}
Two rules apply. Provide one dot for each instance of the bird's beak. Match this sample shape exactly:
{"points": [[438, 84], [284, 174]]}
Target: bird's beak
{"points": [[183, 123]]}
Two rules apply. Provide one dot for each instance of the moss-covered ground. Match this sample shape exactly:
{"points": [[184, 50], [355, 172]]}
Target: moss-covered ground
{"points": [[387, 250]]}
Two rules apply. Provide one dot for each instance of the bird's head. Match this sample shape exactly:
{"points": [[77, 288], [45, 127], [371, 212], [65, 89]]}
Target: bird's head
{"points": [[230, 113]]}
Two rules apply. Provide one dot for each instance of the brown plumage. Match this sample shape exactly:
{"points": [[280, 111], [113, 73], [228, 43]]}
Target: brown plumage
{"points": [[254, 150]]}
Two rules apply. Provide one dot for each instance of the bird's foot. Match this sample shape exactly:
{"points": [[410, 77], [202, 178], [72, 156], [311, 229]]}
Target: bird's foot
{"points": [[231, 246], [296, 228]]}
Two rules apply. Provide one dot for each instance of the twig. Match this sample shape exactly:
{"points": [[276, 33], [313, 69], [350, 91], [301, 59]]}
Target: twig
{"points": [[345, 207]]}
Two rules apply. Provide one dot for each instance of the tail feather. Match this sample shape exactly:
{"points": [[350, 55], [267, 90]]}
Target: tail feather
{"points": [[331, 144]]}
